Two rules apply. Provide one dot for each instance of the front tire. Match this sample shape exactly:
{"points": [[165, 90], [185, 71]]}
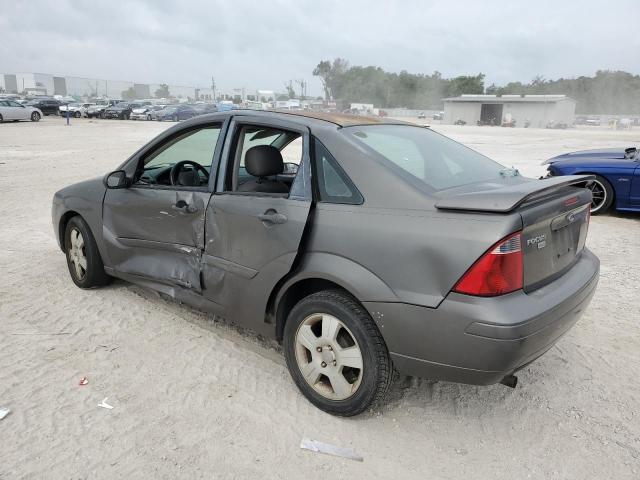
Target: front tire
{"points": [[35, 117], [602, 195], [335, 353], [77, 114], [1, 119], [83, 258]]}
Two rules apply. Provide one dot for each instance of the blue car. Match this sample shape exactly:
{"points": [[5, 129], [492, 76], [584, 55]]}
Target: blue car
{"points": [[617, 176]]}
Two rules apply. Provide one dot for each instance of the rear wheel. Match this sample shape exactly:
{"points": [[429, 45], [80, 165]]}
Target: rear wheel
{"points": [[35, 117], [1, 119], [602, 194], [83, 258], [335, 353]]}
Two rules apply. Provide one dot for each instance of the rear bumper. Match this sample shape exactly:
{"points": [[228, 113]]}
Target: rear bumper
{"points": [[480, 340]]}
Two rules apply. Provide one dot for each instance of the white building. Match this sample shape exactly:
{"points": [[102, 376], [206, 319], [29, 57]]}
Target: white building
{"points": [[535, 110], [47, 84]]}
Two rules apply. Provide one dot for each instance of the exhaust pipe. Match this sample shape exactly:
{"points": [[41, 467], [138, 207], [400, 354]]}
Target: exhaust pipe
{"points": [[509, 381]]}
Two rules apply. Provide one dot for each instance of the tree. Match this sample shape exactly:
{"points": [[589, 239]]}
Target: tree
{"points": [[290, 91], [129, 94], [330, 74], [163, 91]]}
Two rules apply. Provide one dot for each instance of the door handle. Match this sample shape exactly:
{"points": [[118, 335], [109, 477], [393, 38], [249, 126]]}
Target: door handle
{"points": [[184, 207], [271, 216]]}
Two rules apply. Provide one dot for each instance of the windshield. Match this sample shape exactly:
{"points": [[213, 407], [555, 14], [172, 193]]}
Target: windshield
{"points": [[427, 159]]}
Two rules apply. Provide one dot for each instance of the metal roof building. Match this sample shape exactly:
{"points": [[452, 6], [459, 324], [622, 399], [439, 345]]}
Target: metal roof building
{"points": [[537, 111]]}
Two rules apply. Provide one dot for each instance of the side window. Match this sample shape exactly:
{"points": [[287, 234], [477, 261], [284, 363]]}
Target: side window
{"points": [[275, 159], [196, 147], [334, 185]]}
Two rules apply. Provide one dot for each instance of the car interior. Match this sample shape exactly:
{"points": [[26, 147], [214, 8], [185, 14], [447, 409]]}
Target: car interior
{"points": [[266, 160]]}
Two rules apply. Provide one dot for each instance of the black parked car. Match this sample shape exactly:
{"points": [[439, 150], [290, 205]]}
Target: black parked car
{"points": [[121, 110], [48, 106]]}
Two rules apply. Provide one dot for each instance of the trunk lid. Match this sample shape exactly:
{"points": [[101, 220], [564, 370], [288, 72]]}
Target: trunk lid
{"points": [[555, 218]]}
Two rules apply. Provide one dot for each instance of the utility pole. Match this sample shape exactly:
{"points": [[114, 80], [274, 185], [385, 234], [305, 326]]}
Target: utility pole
{"points": [[213, 88]]}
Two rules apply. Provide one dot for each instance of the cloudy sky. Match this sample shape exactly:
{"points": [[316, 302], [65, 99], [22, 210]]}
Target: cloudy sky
{"points": [[263, 44]]}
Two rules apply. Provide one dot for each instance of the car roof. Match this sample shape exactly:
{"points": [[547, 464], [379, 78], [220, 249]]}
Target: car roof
{"points": [[309, 119]]}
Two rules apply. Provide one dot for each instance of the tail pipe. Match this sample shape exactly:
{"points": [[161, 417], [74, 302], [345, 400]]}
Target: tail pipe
{"points": [[510, 381]]}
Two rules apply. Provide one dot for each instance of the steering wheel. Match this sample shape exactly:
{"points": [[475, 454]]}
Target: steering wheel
{"points": [[177, 168]]}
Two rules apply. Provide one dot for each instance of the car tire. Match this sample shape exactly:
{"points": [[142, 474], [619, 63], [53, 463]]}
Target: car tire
{"points": [[603, 195], [1, 119], [35, 117], [326, 337], [83, 258], [148, 117], [77, 114], [102, 115]]}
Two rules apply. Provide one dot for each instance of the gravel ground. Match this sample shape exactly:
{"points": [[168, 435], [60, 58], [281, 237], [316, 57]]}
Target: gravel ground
{"points": [[196, 398]]}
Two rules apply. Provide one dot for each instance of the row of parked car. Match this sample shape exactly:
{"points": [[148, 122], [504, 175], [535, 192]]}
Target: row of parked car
{"points": [[114, 109]]}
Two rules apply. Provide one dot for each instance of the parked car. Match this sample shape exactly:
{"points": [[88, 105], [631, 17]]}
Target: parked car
{"points": [[121, 110], [174, 113], [11, 110], [75, 109], [144, 112], [438, 116], [463, 274], [46, 106], [617, 176], [204, 108], [98, 109]]}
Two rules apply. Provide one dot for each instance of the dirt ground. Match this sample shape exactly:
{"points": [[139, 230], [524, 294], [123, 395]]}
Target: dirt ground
{"points": [[195, 398]]}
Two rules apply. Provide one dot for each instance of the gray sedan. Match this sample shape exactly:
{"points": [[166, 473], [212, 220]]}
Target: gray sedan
{"points": [[378, 245], [13, 111]]}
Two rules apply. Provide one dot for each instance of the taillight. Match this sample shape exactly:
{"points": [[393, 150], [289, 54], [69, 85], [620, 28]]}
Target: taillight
{"points": [[497, 272]]}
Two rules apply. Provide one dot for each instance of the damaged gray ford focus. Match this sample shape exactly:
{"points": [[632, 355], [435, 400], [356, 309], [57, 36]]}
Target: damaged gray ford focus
{"points": [[364, 245]]}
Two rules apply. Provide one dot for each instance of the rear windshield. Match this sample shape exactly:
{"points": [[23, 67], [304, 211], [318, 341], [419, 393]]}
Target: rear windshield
{"points": [[429, 160]]}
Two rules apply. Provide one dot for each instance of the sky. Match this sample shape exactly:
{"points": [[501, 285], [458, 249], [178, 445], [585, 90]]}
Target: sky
{"points": [[264, 44]]}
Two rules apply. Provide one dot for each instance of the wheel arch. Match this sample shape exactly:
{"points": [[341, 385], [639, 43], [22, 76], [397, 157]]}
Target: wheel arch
{"points": [[62, 225], [323, 271]]}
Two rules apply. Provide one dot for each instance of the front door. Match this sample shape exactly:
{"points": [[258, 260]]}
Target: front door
{"points": [[255, 223], [155, 228]]}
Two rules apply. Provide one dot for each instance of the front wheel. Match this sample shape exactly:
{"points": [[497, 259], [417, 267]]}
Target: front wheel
{"points": [[335, 353], [1, 119], [601, 194], [83, 258], [35, 117], [77, 114]]}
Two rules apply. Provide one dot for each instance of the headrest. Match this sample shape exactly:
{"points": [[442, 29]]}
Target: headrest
{"points": [[263, 161]]}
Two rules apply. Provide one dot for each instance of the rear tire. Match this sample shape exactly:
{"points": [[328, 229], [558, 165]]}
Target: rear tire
{"points": [[328, 335], [35, 117], [603, 195], [83, 258], [1, 119]]}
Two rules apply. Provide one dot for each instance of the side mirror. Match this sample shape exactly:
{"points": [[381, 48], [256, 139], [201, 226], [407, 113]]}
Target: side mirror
{"points": [[290, 168], [117, 179]]}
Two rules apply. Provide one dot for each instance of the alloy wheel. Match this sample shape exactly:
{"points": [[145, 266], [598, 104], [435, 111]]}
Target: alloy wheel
{"points": [[328, 356], [77, 254], [598, 195]]}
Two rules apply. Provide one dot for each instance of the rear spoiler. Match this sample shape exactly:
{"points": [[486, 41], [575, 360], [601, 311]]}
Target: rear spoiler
{"points": [[502, 200]]}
